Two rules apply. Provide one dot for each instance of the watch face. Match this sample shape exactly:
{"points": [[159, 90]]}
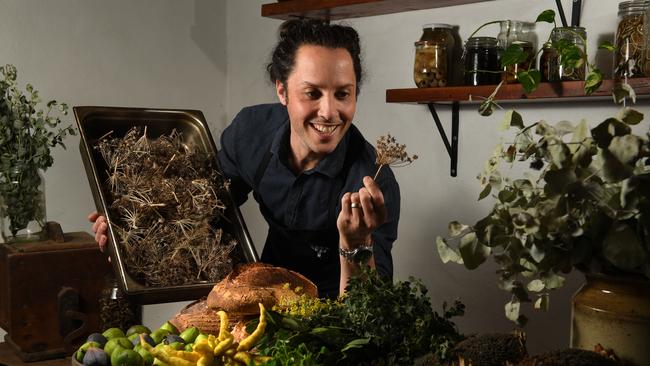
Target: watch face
{"points": [[362, 255]]}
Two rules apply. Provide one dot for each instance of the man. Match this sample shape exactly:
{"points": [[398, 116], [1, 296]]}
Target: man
{"points": [[308, 167]]}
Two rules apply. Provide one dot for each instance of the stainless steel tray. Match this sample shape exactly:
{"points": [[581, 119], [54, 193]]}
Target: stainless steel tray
{"points": [[94, 123]]}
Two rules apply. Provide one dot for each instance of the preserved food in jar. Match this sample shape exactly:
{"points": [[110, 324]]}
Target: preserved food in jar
{"points": [[629, 57], [578, 37], [481, 61], [548, 63], [116, 308], [434, 56], [430, 66]]}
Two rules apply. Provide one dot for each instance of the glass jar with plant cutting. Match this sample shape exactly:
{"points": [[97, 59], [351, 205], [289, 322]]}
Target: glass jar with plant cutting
{"points": [[26, 137]]}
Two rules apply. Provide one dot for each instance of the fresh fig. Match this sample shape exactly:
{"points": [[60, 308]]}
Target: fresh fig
{"points": [[95, 357], [81, 352], [173, 338], [147, 338], [97, 337]]}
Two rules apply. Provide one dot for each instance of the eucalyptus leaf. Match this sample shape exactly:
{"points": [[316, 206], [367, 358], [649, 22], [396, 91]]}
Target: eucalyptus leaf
{"points": [[447, 253], [456, 228], [553, 281], [485, 192], [623, 248], [626, 148], [622, 91], [512, 118], [512, 310], [535, 285], [537, 254], [606, 130], [542, 302], [631, 116], [472, 251]]}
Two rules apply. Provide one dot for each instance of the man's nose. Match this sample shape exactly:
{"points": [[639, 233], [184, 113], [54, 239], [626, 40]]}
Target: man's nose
{"points": [[327, 108]]}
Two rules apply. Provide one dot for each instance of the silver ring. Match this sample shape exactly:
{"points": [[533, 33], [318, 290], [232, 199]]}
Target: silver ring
{"points": [[355, 205]]}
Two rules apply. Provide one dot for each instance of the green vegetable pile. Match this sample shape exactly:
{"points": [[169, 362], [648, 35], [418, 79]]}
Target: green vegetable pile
{"points": [[378, 322]]}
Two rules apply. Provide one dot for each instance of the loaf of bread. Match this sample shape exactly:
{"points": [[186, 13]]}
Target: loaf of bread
{"points": [[239, 294], [253, 283]]}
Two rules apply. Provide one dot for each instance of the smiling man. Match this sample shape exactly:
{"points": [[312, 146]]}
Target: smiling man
{"points": [[308, 166]]}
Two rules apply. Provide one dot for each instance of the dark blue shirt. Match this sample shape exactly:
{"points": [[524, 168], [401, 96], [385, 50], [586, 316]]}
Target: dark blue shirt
{"points": [[304, 201]]}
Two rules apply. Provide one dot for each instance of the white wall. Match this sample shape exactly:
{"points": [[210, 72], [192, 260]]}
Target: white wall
{"points": [[430, 197], [146, 53], [211, 55]]}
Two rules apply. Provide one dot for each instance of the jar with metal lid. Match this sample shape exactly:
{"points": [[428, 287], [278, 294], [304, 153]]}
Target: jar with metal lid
{"points": [[433, 56], [116, 308], [629, 57], [481, 61], [578, 37], [548, 63]]}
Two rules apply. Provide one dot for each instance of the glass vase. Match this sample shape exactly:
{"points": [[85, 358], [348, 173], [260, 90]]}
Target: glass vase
{"points": [[22, 204]]}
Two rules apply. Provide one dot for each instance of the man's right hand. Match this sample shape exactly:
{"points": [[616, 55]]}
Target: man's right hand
{"points": [[100, 228]]}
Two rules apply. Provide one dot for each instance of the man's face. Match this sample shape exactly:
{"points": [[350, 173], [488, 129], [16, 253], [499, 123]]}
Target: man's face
{"points": [[320, 95]]}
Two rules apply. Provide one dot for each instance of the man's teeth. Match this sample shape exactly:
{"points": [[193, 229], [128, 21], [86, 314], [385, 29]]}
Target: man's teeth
{"points": [[325, 128]]}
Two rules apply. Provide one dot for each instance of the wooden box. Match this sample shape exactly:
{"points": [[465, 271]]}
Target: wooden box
{"points": [[49, 294]]}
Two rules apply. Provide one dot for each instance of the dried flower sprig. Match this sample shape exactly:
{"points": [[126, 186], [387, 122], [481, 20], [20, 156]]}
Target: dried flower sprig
{"points": [[165, 203], [390, 153]]}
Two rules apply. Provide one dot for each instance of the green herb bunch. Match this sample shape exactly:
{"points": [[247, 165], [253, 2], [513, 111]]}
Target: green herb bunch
{"points": [[584, 203], [377, 322], [26, 137]]}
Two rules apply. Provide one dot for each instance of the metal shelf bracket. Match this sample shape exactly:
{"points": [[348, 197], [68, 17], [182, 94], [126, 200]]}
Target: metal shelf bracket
{"points": [[452, 149]]}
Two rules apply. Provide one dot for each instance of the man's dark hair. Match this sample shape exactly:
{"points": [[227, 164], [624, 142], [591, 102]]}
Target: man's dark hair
{"points": [[298, 32]]}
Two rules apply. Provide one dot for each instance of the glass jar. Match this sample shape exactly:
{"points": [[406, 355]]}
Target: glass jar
{"points": [[22, 204], [433, 56], [430, 66], [548, 63], [646, 29], [116, 308], [481, 61], [629, 57], [519, 33], [578, 37]]}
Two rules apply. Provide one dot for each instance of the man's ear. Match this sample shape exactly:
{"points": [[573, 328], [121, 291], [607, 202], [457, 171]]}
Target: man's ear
{"points": [[281, 91]]}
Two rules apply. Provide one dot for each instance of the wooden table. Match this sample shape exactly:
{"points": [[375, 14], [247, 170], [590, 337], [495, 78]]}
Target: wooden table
{"points": [[9, 358]]}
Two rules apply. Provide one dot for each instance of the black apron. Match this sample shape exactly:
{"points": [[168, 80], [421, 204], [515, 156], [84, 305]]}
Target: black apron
{"points": [[312, 253]]}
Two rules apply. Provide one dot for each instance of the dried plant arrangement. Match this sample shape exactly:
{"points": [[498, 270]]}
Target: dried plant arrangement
{"points": [[391, 153], [166, 202]]}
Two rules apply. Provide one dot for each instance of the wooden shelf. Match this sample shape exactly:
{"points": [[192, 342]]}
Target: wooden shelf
{"points": [[560, 91], [343, 9]]}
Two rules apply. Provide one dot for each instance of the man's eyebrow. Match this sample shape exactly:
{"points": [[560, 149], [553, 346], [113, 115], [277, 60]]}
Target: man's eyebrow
{"points": [[314, 85]]}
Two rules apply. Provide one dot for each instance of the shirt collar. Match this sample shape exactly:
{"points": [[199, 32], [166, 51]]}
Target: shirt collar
{"points": [[330, 165]]}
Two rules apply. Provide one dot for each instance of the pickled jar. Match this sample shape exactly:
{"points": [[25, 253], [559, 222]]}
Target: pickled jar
{"points": [[577, 36], [116, 308], [548, 63], [629, 57], [430, 66], [433, 56], [481, 61]]}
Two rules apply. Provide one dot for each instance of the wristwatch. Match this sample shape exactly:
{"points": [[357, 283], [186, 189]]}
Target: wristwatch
{"points": [[360, 254]]}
